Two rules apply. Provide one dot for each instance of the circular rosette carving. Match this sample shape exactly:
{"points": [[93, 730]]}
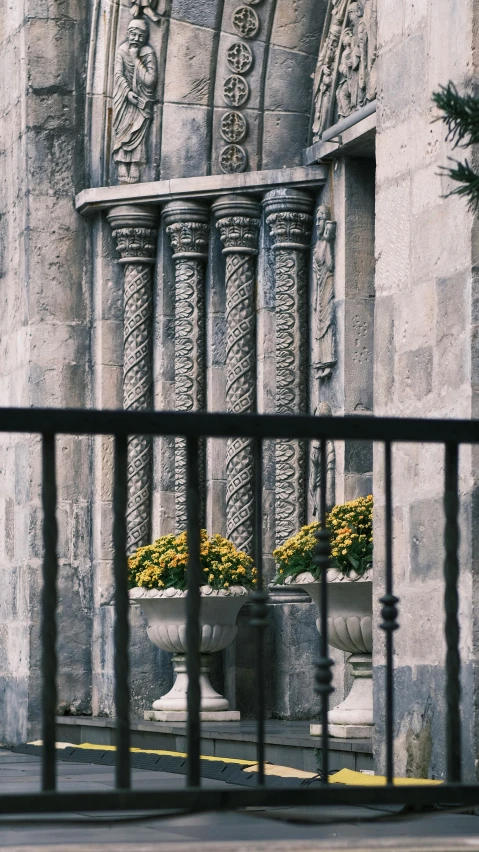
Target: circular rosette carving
{"points": [[240, 57], [233, 159], [235, 90], [246, 22], [233, 127]]}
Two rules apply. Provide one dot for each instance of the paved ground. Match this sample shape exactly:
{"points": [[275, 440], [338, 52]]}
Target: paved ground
{"points": [[244, 832]]}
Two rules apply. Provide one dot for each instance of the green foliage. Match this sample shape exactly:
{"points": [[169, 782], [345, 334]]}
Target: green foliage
{"points": [[163, 564], [351, 542], [461, 116]]}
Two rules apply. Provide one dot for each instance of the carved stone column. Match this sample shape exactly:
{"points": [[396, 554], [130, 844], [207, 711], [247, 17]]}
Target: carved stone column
{"points": [[187, 225], [288, 214], [135, 232], [238, 222]]}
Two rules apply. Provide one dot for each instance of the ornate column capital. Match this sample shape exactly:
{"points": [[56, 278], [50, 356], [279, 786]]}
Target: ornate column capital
{"points": [[134, 228], [238, 219], [187, 225], [289, 216]]}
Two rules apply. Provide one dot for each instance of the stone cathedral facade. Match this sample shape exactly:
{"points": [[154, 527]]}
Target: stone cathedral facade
{"points": [[210, 205]]}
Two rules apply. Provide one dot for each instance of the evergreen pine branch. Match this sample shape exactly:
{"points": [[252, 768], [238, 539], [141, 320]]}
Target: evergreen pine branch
{"points": [[468, 179], [461, 114]]}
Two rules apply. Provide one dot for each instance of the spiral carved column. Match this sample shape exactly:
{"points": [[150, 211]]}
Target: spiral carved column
{"points": [[238, 223], [288, 215], [188, 229], [135, 232]]}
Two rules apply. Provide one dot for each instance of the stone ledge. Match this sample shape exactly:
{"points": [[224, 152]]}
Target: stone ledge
{"points": [[345, 732], [212, 186]]}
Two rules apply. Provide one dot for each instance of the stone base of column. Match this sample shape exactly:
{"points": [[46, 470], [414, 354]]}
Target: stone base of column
{"points": [[344, 732], [205, 716]]}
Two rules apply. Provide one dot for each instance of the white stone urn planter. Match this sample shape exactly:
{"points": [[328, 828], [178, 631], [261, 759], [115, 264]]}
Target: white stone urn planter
{"points": [[165, 610], [350, 607]]}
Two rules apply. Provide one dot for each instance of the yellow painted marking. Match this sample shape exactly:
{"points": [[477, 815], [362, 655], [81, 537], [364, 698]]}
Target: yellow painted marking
{"points": [[349, 776], [145, 751], [281, 771]]}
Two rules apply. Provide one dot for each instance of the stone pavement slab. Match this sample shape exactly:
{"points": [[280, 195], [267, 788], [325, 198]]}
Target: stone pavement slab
{"points": [[295, 829]]}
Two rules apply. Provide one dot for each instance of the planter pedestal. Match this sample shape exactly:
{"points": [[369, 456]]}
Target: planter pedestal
{"points": [[172, 706], [349, 630], [353, 718]]}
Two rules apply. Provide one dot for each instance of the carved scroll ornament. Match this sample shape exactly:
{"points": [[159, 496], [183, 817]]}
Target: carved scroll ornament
{"points": [[135, 232], [290, 224], [238, 224], [345, 78]]}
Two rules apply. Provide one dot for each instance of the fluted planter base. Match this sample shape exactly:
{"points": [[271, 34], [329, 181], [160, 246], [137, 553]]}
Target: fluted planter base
{"points": [[353, 718], [166, 614]]}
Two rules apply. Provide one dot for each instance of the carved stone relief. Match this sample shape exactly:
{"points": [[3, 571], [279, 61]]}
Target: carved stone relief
{"points": [[324, 343], [315, 478], [134, 230], [345, 78], [188, 230], [236, 90], [239, 234], [134, 95], [290, 224]]}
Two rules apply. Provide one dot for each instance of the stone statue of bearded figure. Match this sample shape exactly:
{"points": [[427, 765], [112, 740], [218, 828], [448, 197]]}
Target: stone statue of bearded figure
{"points": [[134, 95]]}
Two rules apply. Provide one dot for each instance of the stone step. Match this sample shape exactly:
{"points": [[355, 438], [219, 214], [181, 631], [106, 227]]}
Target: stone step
{"points": [[287, 743]]}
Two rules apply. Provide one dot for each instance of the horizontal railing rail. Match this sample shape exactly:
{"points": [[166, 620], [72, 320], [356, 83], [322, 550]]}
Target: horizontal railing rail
{"points": [[219, 425], [49, 423]]}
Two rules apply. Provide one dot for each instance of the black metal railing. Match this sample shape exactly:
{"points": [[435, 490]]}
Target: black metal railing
{"points": [[194, 427]]}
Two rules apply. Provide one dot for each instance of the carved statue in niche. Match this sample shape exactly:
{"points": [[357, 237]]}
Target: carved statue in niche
{"points": [[323, 78], [323, 300], [357, 67], [323, 410], [136, 78], [151, 8]]}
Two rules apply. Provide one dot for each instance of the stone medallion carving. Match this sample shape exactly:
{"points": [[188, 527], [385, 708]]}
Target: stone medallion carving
{"points": [[246, 22], [233, 159], [323, 296], [233, 127], [345, 78], [240, 57], [235, 90], [134, 95]]}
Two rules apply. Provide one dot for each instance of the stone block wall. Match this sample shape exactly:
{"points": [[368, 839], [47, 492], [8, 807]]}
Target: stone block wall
{"points": [[44, 346], [424, 366]]}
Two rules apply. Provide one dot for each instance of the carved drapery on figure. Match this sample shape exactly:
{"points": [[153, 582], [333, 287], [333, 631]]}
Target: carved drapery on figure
{"points": [[315, 476], [135, 233], [238, 223], [134, 96], [290, 223], [324, 357], [345, 78], [188, 230]]}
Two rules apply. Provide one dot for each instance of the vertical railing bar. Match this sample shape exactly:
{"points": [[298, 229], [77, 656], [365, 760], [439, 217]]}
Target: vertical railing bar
{"points": [[122, 628], [259, 619], [451, 606], [49, 613], [324, 621], [389, 614], [322, 560], [193, 605]]}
